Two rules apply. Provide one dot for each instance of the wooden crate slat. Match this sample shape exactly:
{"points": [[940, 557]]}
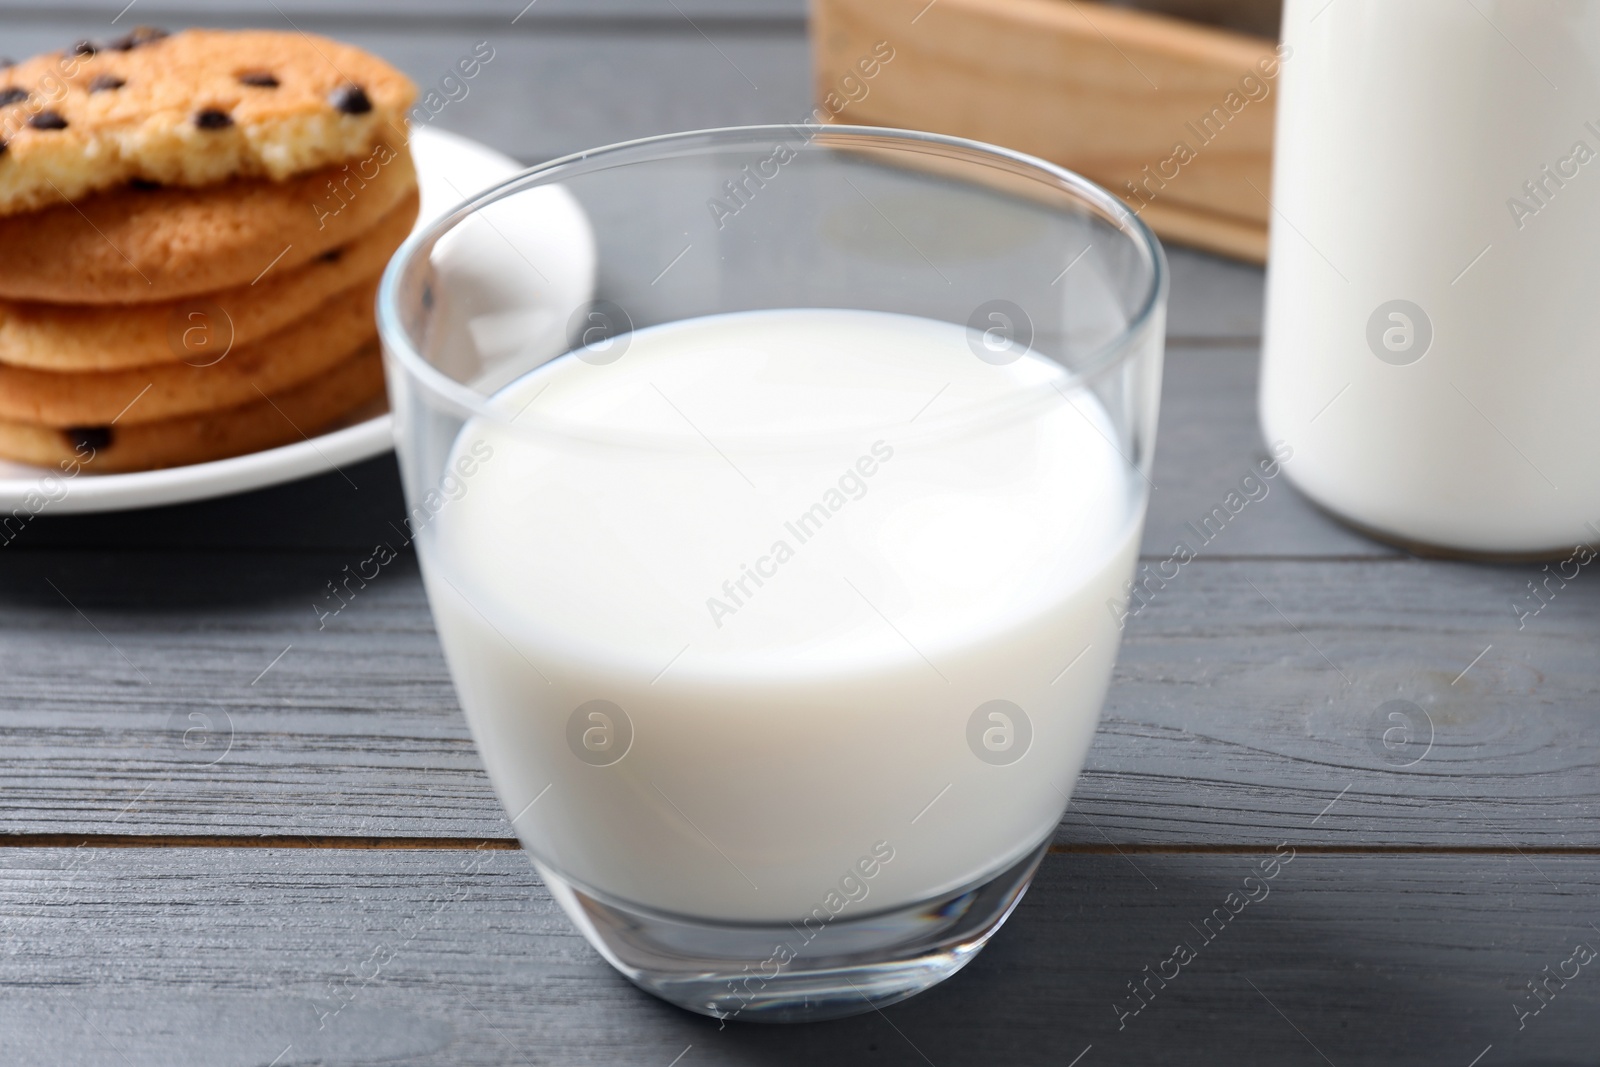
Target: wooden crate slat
{"points": [[1106, 91]]}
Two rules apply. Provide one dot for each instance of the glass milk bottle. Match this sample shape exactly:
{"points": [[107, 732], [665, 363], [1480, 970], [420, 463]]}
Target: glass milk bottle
{"points": [[1432, 324]]}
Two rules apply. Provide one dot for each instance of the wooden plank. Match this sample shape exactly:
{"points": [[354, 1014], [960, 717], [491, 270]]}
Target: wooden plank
{"points": [[1299, 665], [228, 958], [1213, 298], [1251, 694], [1207, 230], [1169, 115], [1209, 446], [554, 93]]}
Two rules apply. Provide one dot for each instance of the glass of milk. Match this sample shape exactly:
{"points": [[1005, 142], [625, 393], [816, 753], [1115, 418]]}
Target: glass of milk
{"points": [[781, 591], [1431, 321]]}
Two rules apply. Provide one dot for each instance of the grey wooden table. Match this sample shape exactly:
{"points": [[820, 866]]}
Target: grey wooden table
{"points": [[226, 830]]}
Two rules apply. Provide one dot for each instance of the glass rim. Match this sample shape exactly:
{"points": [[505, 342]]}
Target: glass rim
{"points": [[397, 342]]}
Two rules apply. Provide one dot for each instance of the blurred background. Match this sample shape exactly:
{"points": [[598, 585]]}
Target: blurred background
{"points": [[566, 74]]}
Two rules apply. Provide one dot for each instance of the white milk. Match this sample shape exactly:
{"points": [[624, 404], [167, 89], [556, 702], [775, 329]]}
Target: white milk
{"points": [[1408, 136], [970, 528]]}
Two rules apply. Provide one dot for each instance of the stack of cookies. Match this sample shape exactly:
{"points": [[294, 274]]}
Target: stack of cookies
{"points": [[191, 233]]}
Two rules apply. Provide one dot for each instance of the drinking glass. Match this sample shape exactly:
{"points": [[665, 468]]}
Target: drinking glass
{"points": [[781, 578]]}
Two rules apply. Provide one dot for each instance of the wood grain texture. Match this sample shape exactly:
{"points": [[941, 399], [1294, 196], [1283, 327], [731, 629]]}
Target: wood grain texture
{"points": [[248, 958], [1209, 445], [1249, 696], [1169, 115], [1225, 724], [1207, 230], [175, 682]]}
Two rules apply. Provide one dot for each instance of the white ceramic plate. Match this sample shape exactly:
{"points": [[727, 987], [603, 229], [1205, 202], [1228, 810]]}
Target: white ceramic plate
{"points": [[449, 169]]}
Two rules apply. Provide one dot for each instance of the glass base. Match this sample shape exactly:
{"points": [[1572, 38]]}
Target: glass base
{"points": [[801, 971]]}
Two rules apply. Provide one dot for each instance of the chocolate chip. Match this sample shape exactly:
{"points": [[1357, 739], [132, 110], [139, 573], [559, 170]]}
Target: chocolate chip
{"points": [[102, 82], [259, 78], [4, 146], [213, 119], [140, 35], [48, 120], [84, 48], [93, 438], [12, 95], [331, 255], [144, 185], [351, 99]]}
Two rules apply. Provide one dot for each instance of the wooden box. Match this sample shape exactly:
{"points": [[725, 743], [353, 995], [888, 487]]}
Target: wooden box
{"points": [[1172, 115]]}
